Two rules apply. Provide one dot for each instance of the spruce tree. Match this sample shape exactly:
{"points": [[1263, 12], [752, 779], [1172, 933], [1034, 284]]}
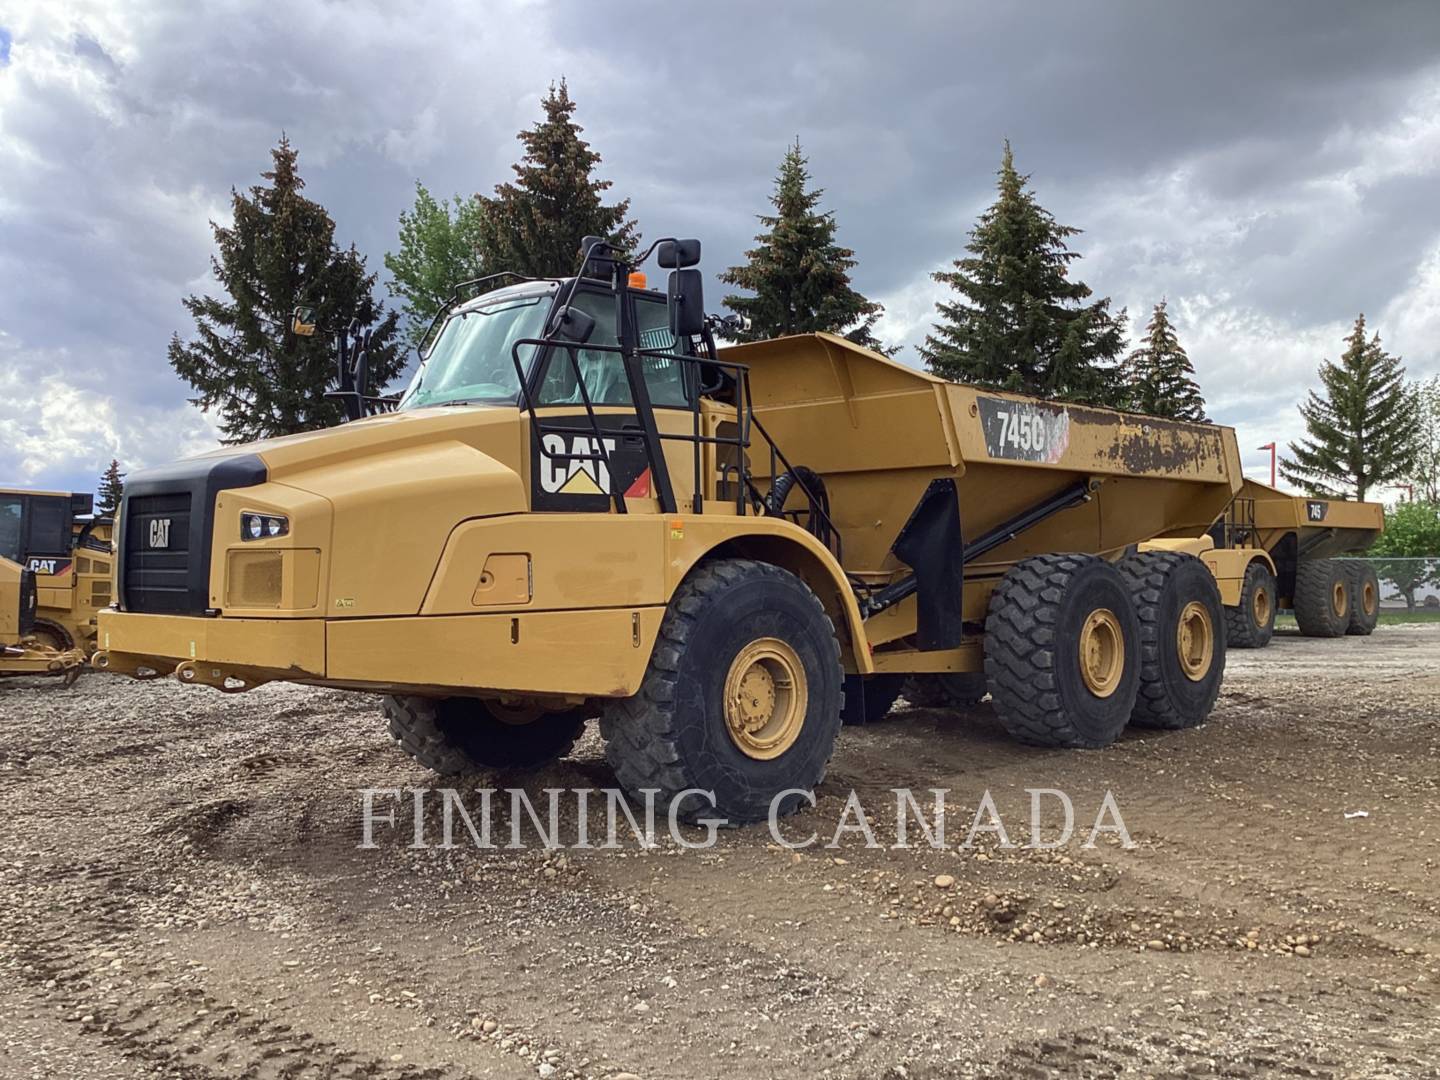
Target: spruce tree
{"points": [[798, 275], [278, 253], [1019, 321], [112, 489], [439, 248], [1360, 430], [534, 226], [1159, 377]]}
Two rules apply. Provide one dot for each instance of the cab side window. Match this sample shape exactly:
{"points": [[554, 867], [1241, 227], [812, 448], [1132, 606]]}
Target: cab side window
{"points": [[10, 509], [603, 372], [49, 525], [664, 378]]}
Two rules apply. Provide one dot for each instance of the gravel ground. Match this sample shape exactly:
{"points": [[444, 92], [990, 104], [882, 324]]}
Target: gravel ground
{"points": [[185, 896]]}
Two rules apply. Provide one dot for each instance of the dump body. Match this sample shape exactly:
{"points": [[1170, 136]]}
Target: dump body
{"points": [[1263, 516], [879, 432]]}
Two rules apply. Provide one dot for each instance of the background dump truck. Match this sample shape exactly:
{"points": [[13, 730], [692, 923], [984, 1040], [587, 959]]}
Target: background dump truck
{"points": [[55, 535], [581, 506], [1272, 550]]}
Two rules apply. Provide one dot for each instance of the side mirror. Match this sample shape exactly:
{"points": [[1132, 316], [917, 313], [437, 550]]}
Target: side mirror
{"points": [[686, 296], [302, 322], [678, 254], [572, 324], [601, 261]]}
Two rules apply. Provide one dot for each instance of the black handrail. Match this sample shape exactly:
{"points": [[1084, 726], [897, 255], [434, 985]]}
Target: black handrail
{"points": [[741, 441]]}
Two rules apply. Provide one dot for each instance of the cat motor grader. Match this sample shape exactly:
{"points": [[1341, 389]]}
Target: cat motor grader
{"points": [[21, 653], [582, 506], [57, 536]]}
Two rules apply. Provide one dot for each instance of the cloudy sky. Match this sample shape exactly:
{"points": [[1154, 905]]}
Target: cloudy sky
{"points": [[1271, 168]]}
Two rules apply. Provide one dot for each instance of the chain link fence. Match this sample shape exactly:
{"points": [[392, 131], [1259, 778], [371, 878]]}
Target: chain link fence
{"points": [[1407, 584]]}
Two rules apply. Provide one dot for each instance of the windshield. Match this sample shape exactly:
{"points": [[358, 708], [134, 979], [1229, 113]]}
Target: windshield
{"points": [[471, 360]]}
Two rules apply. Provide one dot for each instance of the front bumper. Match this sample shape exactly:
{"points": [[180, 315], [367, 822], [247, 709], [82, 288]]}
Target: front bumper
{"points": [[591, 653]]}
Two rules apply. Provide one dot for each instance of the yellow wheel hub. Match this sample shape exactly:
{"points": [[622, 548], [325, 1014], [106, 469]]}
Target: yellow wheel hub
{"points": [[1368, 600], [1102, 652], [766, 698], [515, 713], [1260, 606], [1340, 599], [1195, 641]]}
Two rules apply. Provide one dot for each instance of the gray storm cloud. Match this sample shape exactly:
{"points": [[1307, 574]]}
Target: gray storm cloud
{"points": [[1270, 168]]}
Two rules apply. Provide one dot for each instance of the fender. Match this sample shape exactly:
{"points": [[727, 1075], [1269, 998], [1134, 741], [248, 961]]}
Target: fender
{"points": [[781, 543]]}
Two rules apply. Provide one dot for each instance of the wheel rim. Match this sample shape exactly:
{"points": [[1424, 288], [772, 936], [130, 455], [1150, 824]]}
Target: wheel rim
{"points": [[1339, 601], [1102, 652], [1261, 607], [1368, 600], [766, 697], [1195, 641]]}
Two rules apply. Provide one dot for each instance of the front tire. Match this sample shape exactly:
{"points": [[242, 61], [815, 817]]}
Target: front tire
{"points": [[1364, 597], [1182, 638], [1322, 598], [1251, 625], [1062, 655], [451, 735], [741, 699]]}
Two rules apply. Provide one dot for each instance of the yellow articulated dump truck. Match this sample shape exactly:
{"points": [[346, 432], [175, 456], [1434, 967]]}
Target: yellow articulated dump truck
{"points": [[581, 506], [56, 536], [1273, 551], [21, 652]]}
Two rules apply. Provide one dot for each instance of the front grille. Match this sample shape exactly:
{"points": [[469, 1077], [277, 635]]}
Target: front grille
{"points": [[157, 555], [166, 528]]}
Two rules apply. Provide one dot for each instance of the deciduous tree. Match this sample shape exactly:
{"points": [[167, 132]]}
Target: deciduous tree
{"points": [[439, 247], [1407, 554], [1424, 473]]}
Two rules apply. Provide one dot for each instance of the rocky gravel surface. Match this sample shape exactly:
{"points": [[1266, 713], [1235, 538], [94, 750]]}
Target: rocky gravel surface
{"points": [[186, 894]]}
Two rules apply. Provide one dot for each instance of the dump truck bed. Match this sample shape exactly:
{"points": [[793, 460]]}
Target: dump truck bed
{"points": [[1323, 527], [878, 432]]}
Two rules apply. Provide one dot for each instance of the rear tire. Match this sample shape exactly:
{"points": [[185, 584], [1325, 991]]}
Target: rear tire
{"points": [[1047, 613], [741, 699], [1182, 638], [1322, 598], [869, 698], [1364, 597], [451, 735], [1251, 625], [950, 690]]}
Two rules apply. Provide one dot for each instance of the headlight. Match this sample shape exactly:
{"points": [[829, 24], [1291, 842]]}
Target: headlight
{"points": [[256, 526]]}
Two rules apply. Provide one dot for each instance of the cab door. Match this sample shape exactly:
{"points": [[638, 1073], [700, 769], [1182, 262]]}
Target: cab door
{"points": [[578, 483]]}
